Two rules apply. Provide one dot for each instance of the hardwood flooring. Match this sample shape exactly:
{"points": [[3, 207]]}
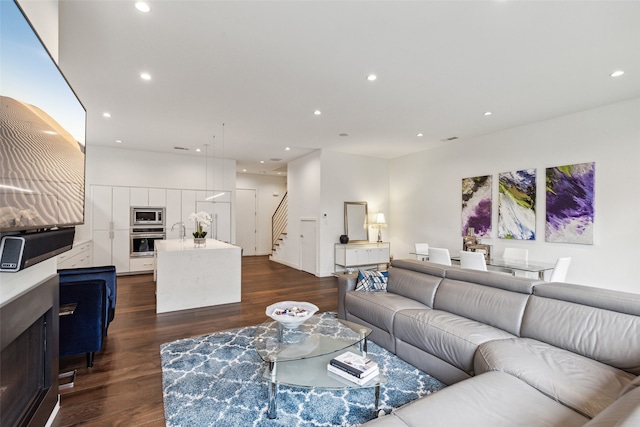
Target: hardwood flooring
{"points": [[124, 387]]}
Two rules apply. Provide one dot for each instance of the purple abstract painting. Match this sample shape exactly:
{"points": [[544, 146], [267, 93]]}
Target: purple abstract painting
{"points": [[570, 203], [476, 205]]}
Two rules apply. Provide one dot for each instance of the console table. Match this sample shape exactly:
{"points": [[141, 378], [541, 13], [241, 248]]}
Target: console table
{"points": [[353, 255]]}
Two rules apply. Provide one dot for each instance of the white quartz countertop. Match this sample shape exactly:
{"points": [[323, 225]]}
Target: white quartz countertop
{"points": [[174, 245]]}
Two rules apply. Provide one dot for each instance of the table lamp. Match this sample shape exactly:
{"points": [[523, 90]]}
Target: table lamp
{"points": [[379, 222]]}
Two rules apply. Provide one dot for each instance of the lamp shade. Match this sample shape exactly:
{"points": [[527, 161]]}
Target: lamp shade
{"points": [[379, 221]]}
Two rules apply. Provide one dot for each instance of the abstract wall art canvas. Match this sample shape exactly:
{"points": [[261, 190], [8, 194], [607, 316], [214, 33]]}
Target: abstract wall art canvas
{"points": [[476, 205], [570, 203], [517, 205]]}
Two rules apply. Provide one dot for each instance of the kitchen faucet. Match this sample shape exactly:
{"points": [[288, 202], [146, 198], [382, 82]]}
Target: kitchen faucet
{"points": [[183, 230]]}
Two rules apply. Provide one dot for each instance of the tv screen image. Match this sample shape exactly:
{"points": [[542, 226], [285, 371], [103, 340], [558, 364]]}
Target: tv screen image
{"points": [[42, 133]]}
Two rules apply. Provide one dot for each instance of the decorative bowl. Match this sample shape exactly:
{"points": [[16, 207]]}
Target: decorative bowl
{"points": [[291, 314]]}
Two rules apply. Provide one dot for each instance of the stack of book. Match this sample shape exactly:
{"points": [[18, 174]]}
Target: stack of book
{"points": [[354, 367]]}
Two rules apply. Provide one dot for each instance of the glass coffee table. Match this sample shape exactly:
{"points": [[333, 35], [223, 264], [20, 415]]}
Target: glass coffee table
{"points": [[299, 357]]}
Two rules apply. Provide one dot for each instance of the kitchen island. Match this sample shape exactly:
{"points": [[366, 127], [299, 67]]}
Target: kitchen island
{"points": [[191, 277]]}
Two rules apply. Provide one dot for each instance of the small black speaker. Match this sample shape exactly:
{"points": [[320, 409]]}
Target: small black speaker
{"points": [[24, 250]]}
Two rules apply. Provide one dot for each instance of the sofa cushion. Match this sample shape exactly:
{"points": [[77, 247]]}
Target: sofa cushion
{"points": [[487, 278], [631, 386], [447, 336], [583, 384], [608, 336], [486, 304], [493, 399], [414, 285], [624, 412], [378, 308]]}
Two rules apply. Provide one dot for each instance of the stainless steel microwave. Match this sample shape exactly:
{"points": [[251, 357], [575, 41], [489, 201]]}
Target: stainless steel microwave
{"points": [[147, 216]]}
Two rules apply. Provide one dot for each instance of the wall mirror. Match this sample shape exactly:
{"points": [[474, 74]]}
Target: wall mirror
{"points": [[355, 221]]}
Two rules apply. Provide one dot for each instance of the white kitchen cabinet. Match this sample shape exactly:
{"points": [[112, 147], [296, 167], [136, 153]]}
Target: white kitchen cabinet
{"points": [[142, 264], [101, 197], [158, 197], [220, 228], [111, 219], [77, 257], [355, 255], [139, 197], [173, 213], [188, 207], [121, 209]]}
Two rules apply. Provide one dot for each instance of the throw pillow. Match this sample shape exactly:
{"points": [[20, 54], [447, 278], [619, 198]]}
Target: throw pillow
{"points": [[372, 281]]}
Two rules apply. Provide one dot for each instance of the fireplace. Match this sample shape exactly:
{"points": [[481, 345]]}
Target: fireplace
{"points": [[29, 356]]}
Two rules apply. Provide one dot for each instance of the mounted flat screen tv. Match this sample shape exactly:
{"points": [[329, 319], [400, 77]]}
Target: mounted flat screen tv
{"points": [[42, 133]]}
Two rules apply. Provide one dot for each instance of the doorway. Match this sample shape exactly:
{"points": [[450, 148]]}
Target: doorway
{"points": [[308, 242], [246, 212]]}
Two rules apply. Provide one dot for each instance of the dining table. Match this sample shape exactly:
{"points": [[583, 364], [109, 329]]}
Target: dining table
{"points": [[502, 264]]}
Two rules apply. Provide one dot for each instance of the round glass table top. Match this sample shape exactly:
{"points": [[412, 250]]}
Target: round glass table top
{"points": [[320, 335]]}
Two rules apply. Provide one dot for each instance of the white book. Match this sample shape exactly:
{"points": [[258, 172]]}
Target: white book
{"points": [[354, 364], [360, 381]]}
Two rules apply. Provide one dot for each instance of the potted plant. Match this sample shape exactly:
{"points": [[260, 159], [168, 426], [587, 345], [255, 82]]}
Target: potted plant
{"points": [[202, 219]]}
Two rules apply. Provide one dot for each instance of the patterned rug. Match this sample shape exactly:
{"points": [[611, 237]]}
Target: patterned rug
{"points": [[216, 379]]}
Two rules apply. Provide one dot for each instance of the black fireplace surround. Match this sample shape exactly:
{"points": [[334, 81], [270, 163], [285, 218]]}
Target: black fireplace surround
{"points": [[29, 356]]}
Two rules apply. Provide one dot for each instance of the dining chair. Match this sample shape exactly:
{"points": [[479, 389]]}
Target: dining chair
{"points": [[422, 251], [515, 254], [520, 256], [473, 260], [559, 272], [439, 256]]}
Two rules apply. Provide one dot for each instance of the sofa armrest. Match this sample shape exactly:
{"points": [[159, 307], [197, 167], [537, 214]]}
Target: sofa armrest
{"points": [[346, 282]]}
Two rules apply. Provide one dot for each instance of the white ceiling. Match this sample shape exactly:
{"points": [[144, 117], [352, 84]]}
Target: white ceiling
{"points": [[263, 67]]}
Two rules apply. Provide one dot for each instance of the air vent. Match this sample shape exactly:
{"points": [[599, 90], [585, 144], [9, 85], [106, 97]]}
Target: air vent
{"points": [[451, 138], [275, 160], [181, 148]]}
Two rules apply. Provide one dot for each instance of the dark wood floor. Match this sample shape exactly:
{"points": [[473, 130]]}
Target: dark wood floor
{"points": [[124, 387]]}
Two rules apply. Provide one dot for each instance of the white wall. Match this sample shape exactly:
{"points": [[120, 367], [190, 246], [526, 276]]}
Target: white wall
{"points": [[426, 190], [318, 186], [266, 186], [349, 178], [303, 187]]}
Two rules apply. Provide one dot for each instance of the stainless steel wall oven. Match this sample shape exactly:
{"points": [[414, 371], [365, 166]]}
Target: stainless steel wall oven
{"points": [[143, 240]]}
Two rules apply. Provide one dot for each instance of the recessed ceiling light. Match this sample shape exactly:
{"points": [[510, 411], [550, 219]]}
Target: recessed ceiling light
{"points": [[372, 77], [420, 134], [287, 148], [244, 170], [142, 6], [198, 150], [119, 141], [279, 173], [106, 115], [261, 161], [317, 112], [617, 73], [145, 76], [487, 113]]}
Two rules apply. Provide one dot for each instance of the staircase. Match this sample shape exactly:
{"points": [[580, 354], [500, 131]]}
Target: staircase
{"points": [[279, 224]]}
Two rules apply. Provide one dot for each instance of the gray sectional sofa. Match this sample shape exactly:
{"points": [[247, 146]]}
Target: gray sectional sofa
{"points": [[514, 351]]}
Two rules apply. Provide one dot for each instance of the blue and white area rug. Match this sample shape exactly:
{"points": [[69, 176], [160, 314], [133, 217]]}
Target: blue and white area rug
{"points": [[216, 380]]}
